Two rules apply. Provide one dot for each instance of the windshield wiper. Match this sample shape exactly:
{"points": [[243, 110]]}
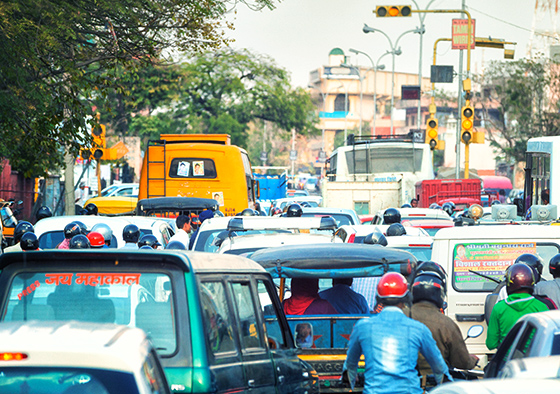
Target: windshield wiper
{"points": [[485, 276]]}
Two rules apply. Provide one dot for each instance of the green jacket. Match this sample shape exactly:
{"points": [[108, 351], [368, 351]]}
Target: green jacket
{"points": [[506, 313]]}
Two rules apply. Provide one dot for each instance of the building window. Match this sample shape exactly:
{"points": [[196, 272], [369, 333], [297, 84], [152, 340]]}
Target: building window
{"points": [[340, 103]]}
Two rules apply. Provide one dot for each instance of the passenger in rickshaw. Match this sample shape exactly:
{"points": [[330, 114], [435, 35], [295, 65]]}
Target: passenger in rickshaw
{"points": [[344, 299], [305, 299]]}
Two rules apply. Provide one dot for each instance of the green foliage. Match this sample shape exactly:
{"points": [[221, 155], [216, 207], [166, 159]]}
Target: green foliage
{"points": [[520, 101], [58, 55]]}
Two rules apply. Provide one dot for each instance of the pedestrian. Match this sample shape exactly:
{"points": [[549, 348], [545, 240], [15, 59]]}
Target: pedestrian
{"points": [[183, 223], [414, 203], [344, 299], [520, 283], [206, 214], [428, 295], [305, 299], [551, 288], [390, 342]]}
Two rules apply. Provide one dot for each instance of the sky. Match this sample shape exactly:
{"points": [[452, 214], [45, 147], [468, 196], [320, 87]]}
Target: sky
{"points": [[299, 34]]}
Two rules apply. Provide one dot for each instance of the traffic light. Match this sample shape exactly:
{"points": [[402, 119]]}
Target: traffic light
{"points": [[98, 134], [393, 10], [467, 124], [432, 133]]}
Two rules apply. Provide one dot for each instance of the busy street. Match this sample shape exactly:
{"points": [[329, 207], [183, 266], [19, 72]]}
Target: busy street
{"points": [[186, 209]]}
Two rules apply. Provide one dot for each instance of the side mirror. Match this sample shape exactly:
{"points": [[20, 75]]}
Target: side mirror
{"points": [[304, 335], [475, 331]]}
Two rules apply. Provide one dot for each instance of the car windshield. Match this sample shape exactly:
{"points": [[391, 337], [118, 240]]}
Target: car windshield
{"points": [[136, 299], [57, 380], [52, 239], [108, 191], [340, 218]]}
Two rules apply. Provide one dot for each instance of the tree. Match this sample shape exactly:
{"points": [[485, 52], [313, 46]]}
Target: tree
{"points": [[223, 92], [58, 55], [519, 101]]}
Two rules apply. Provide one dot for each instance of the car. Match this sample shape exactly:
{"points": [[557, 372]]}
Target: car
{"points": [[281, 203], [296, 193], [534, 335], [58, 357], [341, 215], [311, 184], [114, 206], [430, 226], [547, 367], [416, 241], [414, 214], [50, 233], [204, 312], [122, 190], [297, 231]]}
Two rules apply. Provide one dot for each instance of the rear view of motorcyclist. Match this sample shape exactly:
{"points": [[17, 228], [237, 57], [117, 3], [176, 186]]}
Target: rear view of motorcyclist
{"points": [[551, 288], [428, 296], [21, 228], [391, 215]]}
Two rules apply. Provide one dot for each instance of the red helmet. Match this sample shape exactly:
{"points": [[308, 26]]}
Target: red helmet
{"points": [[520, 276], [96, 239], [392, 289]]}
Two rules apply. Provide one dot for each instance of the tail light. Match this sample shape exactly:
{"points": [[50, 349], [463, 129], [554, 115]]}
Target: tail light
{"points": [[351, 238], [12, 356]]}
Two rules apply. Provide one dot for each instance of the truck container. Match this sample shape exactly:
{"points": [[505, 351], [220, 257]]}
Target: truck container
{"points": [[462, 192]]}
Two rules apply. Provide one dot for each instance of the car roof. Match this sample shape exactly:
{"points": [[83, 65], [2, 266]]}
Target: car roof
{"points": [[183, 259], [271, 240], [505, 232], [420, 212], [330, 211], [75, 344], [365, 229], [333, 260], [431, 223], [544, 319]]}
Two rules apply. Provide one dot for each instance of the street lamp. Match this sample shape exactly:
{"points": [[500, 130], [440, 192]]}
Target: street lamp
{"points": [[374, 67], [361, 79], [394, 51]]}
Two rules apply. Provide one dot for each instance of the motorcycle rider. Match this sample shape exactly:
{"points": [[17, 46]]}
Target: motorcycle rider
{"points": [[131, 234], [551, 288], [391, 215], [428, 296], [21, 228], [70, 230], [520, 283], [390, 342]]}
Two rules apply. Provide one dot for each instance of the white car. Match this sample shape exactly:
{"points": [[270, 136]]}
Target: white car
{"points": [[75, 357], [499, 386], [313, 201], [50, 231], [296, 231], [414, 214], [416, 241]]}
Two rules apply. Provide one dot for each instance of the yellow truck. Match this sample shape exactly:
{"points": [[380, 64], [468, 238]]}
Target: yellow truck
{"points": [[199, 165]]}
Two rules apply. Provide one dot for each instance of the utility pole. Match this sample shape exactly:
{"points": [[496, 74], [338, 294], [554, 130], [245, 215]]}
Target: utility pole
{"points": [[459, 106]]}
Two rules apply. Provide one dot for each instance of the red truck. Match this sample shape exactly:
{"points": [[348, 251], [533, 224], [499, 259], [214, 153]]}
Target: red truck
{"points": [[462, 192]]}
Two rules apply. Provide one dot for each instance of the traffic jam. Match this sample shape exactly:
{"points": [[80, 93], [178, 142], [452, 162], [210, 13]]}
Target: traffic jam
{"points": [[451, 291]]}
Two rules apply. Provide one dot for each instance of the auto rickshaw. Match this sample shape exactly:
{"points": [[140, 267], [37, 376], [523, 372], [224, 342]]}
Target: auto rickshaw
{"points": [[329, 334], [8, 223]]}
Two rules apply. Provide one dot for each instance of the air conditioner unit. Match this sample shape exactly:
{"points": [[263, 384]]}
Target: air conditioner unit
{"points": [[504, 212], [544, 212]]}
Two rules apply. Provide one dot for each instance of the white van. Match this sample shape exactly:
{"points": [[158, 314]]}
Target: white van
{"points": [[471, 254]]}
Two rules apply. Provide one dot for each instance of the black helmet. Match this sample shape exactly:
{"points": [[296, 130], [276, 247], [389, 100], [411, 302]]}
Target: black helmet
{"points": [[22, 228], [375, 238], [428, 286], [395, 229], [434, 205], [91, 209], [249, 212], [43, 212], [449, 207], [83, 227], [176, 245], [305, 204], [520, 276], [71, 230], [391, 215], [131, 233], [79, 241], [148, 239], [554, 265], [29, 241], [406, 205], [496, 202], [146, 247], [294, 211], [535, 262], [430, 266]]}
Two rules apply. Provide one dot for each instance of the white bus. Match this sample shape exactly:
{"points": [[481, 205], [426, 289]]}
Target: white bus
{"points": [[382, 159]]}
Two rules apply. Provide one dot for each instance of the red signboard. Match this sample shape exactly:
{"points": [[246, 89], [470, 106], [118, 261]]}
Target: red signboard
{"points": [[459, 33]]}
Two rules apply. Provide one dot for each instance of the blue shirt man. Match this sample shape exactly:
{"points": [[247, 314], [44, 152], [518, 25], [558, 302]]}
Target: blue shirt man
{"points": [[344, 299], [390, 343]]}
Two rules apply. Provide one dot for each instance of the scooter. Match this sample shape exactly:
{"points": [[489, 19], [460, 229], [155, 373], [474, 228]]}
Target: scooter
{"points": [[472, 374]]}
